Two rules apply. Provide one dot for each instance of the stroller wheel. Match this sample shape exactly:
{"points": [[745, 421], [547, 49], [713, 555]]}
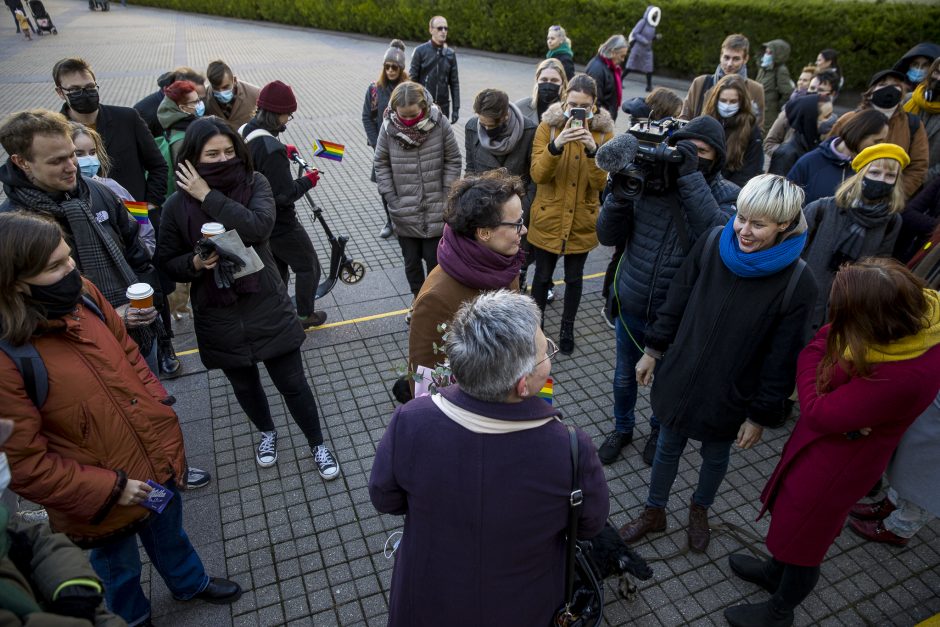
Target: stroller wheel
{"points": [[352, 272], [55, 32]]}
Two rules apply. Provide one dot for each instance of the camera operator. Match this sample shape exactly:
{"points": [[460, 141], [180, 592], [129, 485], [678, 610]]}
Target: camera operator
{"points": [[657, 223]]}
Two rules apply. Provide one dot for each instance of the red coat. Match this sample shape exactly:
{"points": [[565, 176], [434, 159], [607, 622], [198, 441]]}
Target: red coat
{"points": [[102, 423], [821, 473]]}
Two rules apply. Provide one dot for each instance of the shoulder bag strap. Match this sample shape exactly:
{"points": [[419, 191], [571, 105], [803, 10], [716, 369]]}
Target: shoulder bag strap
{"points": [[574, 503], [791, 285], [708, 244]]}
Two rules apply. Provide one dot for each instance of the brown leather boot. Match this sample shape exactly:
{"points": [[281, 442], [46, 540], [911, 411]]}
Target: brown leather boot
{"points": [[698, 531], [652, 519]]}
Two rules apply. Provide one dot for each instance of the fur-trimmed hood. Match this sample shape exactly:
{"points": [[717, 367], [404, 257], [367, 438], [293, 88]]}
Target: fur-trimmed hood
{"points": [[600, 123]]}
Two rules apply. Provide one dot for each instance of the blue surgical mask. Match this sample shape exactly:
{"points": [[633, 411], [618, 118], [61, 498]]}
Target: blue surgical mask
{"points": [[89, 165], [224, 97], [726, 110], [200, 109], [916, 75], [767, 61]]}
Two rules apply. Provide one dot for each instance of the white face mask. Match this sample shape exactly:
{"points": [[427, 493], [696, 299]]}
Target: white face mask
{"points": [[4, 473], [726, 110]]}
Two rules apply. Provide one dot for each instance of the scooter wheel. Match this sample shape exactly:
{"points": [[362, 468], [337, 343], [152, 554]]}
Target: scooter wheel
{"points": [[352, 272]]}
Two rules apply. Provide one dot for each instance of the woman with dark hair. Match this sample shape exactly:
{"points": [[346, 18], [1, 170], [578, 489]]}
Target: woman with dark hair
{"points": [[606, 68], [730, 104], [862, 382], [567, 197], [290, 244], [105, 430], [820, 171], [376, 102], [238, 323], [480, 250]]}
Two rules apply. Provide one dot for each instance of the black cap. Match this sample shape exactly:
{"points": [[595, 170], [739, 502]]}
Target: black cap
{"points": [[883, 73]]}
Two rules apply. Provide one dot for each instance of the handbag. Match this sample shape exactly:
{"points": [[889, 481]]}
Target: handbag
{"points": [[584, 593]]}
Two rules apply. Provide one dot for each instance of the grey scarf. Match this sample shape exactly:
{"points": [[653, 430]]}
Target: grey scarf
{"points": [[508, 143], [719, 73], [863, 218]]}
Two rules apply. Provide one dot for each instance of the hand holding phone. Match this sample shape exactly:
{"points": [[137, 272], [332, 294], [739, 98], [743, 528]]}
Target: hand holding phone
{"points": [[578, 116]]}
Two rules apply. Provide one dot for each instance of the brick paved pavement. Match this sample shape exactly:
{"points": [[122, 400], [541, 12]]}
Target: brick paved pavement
{"points": [[309, 552]]}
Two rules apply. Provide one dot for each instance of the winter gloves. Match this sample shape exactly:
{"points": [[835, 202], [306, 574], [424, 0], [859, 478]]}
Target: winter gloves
{"points": [[229, 264]]}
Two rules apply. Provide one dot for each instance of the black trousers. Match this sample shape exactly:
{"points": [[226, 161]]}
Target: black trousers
{"points": [[796, 583], [287, 373], [416, 250], [574, 280], [294, 251]]}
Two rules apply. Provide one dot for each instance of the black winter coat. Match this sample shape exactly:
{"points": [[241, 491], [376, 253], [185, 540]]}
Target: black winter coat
{"points": [[606, 85], [372, 117], [269, 157], [436, 69], [258, 326], [136, 161], [516, 162], [147, 107], [753, 161], [733, 350]]}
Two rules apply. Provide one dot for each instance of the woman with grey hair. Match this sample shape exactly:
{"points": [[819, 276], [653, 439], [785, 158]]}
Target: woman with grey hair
{"points": [[737, 313], [606, 68], [481, 471]]}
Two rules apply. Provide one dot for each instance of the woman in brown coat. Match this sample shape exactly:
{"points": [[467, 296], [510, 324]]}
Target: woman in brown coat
{"points": [[565, 208]]}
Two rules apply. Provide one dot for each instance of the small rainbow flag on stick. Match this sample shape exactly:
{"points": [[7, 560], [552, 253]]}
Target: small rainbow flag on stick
{"points": [[547, 393], [328, 150], [138, 210]]}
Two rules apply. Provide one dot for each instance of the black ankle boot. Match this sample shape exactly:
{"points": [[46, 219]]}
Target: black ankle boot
{"points": [[758, 615], [170, 366], [566, 337]]}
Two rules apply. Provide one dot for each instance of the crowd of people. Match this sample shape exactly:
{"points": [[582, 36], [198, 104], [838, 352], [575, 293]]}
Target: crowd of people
{"points": [[773, 254]]}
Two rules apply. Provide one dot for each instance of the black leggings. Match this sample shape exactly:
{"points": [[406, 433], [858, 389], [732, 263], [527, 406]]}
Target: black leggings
{"points": [[796, 582], [287, 373], [574, 280]]}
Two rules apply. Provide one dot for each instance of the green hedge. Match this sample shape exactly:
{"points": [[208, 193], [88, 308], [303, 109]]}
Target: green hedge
{"points": [[869, 35]]}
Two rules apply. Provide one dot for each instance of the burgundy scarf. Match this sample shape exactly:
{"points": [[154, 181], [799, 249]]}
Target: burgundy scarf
{"points": [[229, 178], [472, 264], [618, 81]]}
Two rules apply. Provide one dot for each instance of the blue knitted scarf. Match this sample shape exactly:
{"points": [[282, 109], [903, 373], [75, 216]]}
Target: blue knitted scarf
{"points": [[763, 262]]}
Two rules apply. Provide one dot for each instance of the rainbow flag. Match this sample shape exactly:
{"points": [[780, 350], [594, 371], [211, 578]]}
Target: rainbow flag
{"points": [[138, 210], [547, 393], [328, 150]]}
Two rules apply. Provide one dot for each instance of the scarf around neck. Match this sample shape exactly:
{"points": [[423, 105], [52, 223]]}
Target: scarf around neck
{"points": [[762, 262], [912, 346], [618, 79], [410, 136], [564, 48], [508, 142], [472, 264], [919, 104], [862, 219], [719, 73]]}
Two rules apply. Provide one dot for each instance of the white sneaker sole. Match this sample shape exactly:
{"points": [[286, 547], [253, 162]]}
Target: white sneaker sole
{"points": [[266, 464], [331, 476]]}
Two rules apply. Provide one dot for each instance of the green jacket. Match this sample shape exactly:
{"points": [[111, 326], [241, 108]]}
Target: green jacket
{"points": [[775, 80]]}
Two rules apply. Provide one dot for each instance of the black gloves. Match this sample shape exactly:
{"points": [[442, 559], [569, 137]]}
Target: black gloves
{"points": [[77, 601], [689, 152], [454, 117], [228, 264]]}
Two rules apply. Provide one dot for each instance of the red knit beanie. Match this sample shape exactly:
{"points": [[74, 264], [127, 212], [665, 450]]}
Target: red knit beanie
{"points": [[277, 97]]}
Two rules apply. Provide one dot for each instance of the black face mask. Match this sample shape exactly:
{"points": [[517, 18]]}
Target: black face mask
{"points": [[886, 97], [876, 190], [705, 166], [549, 92], [498, 132], [61, 297], [85, 102]]}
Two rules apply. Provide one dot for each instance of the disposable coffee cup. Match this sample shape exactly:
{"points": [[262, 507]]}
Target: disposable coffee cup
{"points": [[211, 229], [140, 295]]}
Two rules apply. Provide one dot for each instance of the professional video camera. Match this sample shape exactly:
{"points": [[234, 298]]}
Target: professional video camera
{"points": [[638, 161]]}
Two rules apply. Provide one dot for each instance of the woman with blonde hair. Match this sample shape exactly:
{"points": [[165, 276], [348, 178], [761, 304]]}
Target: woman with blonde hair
{"points": [[550, 87], [730, 104], [744, 284], [606, 68], [416, 161], [861, 220], [559, 48]]}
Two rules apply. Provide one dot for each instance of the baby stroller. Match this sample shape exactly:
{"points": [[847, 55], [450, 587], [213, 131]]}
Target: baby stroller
{"points": [[43, 21]]}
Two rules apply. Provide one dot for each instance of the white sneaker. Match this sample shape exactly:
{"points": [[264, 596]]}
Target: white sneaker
{"points": [[550, 297], [267, 450], [326, 463]]}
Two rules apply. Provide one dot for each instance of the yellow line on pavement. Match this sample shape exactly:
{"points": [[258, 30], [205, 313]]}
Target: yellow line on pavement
{"points": [[387, 314]]}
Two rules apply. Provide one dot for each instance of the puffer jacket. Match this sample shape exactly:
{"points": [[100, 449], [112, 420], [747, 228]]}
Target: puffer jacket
{"points": [[103, 422], [258, 325], [564, 213], [653, 251], [775, 80], [415, 181]]}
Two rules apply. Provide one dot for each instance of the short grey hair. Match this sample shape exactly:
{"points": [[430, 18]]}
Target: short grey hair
{"points": [[614, 42], [491, 343], [771, 197]]}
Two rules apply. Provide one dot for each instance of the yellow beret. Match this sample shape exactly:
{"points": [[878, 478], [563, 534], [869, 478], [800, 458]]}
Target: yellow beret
{"points": [[880, 151]]}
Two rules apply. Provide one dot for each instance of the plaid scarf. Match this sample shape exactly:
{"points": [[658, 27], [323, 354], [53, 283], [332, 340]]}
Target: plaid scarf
{"points": [[410, 136], [98, 255]]}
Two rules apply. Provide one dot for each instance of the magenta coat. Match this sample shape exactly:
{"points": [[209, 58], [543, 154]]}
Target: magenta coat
{"points": [[822, 473]]}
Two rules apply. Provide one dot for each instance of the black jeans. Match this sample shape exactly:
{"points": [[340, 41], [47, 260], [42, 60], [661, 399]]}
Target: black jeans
{"points": [[415, 250], [294, 250], [287, 373], [574, 280]]}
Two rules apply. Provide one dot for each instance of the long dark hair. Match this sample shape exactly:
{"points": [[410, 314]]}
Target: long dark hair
{"points": [[27, 241], [204, 129], [740, 126], [876, 301]]}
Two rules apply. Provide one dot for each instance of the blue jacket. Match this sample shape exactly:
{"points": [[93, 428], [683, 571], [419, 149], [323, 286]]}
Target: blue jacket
{"points": [[819, 172]]}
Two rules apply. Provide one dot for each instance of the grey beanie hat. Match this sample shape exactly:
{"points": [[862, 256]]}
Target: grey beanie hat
{"points": [[396, 53]]}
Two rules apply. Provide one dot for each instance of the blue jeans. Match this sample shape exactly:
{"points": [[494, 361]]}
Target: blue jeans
{"points": [[163, 537], [625, 386], [669, 449]]}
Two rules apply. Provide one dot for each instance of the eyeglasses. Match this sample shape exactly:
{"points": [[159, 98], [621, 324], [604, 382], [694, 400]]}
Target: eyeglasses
{"points": [[551, 349], [440, 28], [517, 225], [391, 66], [75, 92]]}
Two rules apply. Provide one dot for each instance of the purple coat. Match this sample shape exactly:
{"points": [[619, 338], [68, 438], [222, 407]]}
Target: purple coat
{"points": [[485, 514], [641, 52]]}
